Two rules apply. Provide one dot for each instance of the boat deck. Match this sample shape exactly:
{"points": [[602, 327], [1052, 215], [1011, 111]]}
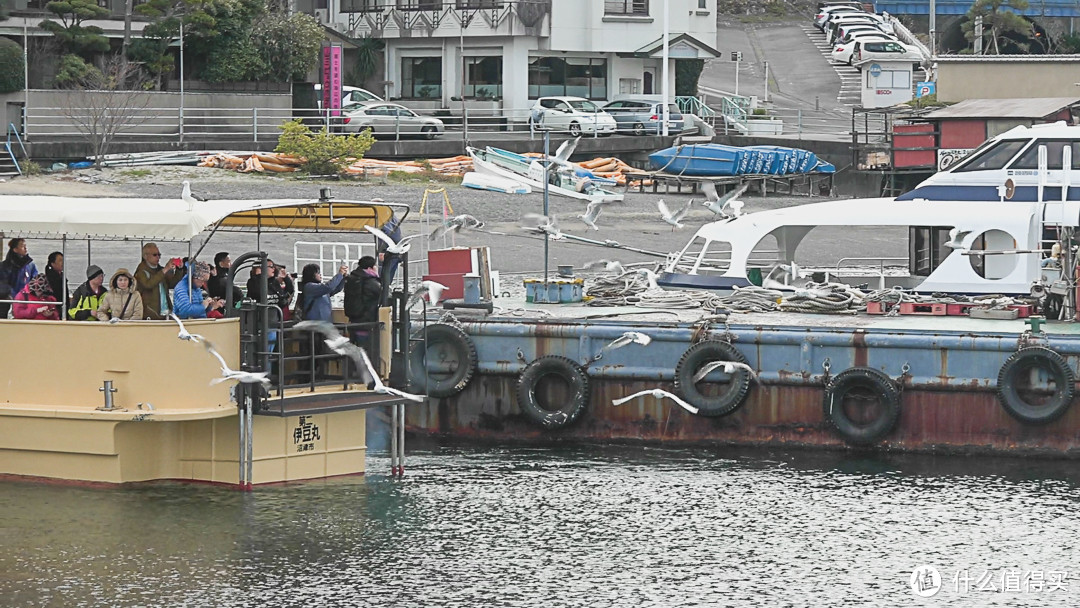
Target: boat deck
{"points": [[518, 310]]}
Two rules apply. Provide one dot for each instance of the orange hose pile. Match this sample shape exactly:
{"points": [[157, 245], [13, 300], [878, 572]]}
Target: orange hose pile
{"points": [[611, 168], [257, 162]]}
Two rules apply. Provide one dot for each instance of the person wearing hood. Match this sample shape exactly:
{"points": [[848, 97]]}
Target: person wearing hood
{"points": [[15, 272], [122, 301], [36, 290], [88, 296], [54, 272]]}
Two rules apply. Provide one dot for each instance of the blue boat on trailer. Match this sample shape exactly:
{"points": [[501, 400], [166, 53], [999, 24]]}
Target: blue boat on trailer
{"points": [[718, 160]]}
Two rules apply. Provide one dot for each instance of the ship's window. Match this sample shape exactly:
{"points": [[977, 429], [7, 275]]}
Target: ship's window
{"points": [[995, 157], [926, 249], [993, 267], [1030, 158]]}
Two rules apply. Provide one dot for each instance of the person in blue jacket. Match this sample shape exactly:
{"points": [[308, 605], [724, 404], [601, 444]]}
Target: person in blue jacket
{"points": [[315, 305], [189, 299], [15, 272]]}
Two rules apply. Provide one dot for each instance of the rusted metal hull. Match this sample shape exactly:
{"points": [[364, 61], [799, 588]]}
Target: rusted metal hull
{"points": [[948, 381]]}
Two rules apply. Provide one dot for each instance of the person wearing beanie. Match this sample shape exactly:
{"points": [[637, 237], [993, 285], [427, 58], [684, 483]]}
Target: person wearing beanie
{"points": [[189, 299], [87, 297]]}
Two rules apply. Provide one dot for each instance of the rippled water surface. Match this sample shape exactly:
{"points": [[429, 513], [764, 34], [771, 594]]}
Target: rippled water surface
{"points": [[562, 526]]}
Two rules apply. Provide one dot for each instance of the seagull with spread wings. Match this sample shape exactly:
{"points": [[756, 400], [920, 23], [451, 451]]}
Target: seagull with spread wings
{"points": [[399, 247], [455, 225], [592, 211], [657, 394], [546, 225], [234, 375], [184, 335], [433, 290], [728, 205], [673, 218], [729, 367]]}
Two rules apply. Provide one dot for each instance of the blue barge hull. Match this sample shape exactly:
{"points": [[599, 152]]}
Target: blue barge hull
{"points": [[945, 376]]}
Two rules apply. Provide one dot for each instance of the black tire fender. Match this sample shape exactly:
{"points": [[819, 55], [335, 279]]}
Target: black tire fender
{"points": [[1026, 360], [871, 384], [574, 376], [693, 360], [455, 351]]}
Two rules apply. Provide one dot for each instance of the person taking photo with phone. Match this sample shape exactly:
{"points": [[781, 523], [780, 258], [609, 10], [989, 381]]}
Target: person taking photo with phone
{"points": [[155, 281]]}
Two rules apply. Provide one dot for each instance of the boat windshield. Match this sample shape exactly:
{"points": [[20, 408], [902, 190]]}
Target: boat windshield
{"points": [[584, 106], [993, 157]]}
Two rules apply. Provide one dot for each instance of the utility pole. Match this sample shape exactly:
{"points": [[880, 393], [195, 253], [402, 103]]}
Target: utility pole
{"points": [[665, 114]]}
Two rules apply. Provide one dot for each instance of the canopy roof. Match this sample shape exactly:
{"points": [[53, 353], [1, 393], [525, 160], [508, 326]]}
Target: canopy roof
{"points": [[176, 220]]}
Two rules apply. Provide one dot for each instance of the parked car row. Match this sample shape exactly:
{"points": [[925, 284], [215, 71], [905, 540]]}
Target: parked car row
{"points": [[574, 115], [858, 36]]}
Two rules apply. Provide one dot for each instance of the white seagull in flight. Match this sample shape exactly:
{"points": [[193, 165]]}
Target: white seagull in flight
{"points": [[399, 247], [729, 368], [658, 394]]}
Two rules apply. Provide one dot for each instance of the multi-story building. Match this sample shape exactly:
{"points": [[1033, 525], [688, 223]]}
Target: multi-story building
{"points": [[514, 51]]}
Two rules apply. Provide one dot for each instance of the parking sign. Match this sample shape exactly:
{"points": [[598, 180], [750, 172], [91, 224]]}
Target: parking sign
{"points": [[925, 88]]}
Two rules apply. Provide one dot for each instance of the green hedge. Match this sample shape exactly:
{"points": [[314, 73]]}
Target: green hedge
{"points": [[12, 75]]}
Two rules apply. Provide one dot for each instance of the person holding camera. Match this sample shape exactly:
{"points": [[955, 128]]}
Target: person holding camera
{"points": [[155, 281], [189, 299]]}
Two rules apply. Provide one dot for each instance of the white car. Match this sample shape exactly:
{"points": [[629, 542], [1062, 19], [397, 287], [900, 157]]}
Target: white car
{"points": [[842, 50], [388, 119], [575, 115], [877, 50], [824, 14], [864, 19]]}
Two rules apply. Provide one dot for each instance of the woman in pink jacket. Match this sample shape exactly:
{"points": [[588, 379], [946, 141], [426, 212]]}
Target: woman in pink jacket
{"points": [[37, 290]]}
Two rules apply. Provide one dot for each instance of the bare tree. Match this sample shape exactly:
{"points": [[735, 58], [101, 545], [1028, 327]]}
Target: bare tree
{"points": [[108, 102]]}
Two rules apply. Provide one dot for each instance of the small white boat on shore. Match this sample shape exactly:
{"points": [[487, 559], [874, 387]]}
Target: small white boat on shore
{"points": [[562, 180]]}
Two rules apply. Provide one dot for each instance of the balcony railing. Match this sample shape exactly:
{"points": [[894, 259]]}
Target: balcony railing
{"points": [[420, 5], [626, 7]]}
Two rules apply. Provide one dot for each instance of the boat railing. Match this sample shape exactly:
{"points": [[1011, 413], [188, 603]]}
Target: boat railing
{"points": [[837, 271]]}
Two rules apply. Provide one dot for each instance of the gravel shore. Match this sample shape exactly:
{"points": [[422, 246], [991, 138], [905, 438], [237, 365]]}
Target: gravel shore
{"points": [[634, 222]]}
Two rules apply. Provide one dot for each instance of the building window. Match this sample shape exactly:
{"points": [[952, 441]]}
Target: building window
{"points": [[574, 76], [626, 7], [420, 5], [363, 6], [476, 4], [888, 79], [702, 4], [629, 86], [421, 77], [483, 77]]}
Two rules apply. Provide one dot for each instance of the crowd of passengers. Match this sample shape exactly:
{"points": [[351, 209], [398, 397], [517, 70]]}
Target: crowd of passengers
{"points": [[155, 290]]}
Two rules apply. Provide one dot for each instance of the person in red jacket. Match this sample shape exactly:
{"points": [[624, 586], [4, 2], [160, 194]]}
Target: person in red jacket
{"points": [[37, 290]]}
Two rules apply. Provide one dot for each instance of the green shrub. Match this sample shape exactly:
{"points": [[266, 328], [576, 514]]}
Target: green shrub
{"points": [[30, 167], [11, 66], [323, 152]]}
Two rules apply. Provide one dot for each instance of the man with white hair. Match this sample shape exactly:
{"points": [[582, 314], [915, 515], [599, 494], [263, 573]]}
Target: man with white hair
{"points": [[189, 299]]}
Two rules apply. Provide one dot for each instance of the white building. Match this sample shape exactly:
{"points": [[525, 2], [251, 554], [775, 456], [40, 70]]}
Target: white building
{"points": [[516, 51]]}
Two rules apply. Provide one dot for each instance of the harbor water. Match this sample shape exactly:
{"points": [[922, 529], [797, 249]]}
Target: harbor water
{"points": [[564, 525]]}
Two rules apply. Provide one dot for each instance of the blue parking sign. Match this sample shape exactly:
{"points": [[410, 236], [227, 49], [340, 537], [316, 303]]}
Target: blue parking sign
{"points": [[925, 88]]}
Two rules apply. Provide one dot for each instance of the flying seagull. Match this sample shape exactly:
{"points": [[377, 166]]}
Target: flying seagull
{"points": [[184, 335], [630, 337], [658, 394], [956, 238], [563, 154], [431, 288], [672, 218], [334, 340], [728, 205], [187, 196], [399, 247], [592, 211], [609, 265], [233, 375], [456, 224], [544, 224], [729, 368], [372, 377]]}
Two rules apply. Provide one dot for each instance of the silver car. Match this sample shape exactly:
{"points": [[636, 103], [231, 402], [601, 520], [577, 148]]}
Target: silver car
{"points": [[388, 119], [641, 116]]}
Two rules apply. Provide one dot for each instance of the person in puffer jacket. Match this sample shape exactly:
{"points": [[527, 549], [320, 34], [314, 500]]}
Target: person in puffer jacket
{"points": [[36, 290], [122, 301], [87, 297]]}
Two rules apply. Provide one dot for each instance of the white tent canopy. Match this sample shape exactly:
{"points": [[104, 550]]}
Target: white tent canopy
{"points": [[176, 220]]}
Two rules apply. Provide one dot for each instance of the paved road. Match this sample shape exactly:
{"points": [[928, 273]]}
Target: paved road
{"points": [[799, 74]]}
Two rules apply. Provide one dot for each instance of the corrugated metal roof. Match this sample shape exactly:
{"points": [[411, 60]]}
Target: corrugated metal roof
{"points": [[1034, 107], [1007, 58]]}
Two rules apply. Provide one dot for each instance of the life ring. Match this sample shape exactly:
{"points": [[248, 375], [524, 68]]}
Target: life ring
{"points": [[871, 388], [441, 361], [571, 408], [737, 387], [1021, 401]]}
